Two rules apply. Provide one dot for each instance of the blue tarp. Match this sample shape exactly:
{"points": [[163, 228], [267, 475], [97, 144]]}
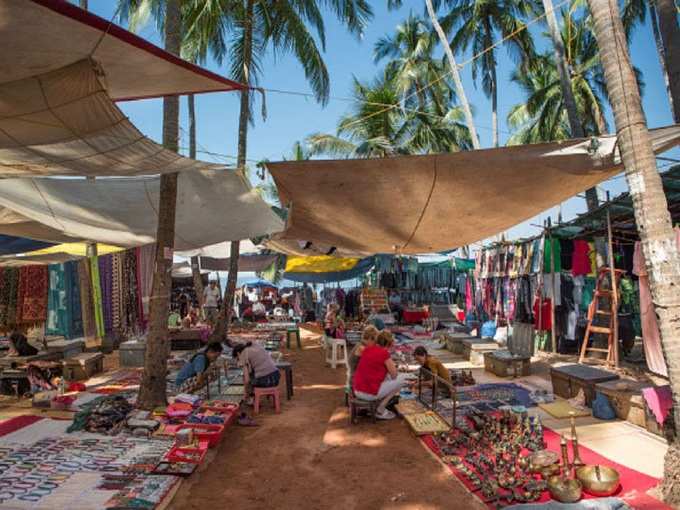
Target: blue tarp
{"points": [[10, 245], [362, 267], [257, 282]]}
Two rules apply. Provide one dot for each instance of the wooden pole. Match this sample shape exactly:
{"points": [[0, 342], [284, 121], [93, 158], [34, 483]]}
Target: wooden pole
{"points": [[553, 335], [541, 247], [615, 292]]}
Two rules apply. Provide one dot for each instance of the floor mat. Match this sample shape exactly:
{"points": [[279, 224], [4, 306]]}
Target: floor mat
{"points": [[16, 423], [562, 408]]}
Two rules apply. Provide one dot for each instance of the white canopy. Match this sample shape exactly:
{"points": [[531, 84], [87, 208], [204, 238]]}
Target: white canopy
{"points": [[212, 206]]}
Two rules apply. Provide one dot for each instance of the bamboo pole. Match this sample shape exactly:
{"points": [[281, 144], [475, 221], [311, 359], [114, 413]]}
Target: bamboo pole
{"points": [[615, 293], [553, 335]]}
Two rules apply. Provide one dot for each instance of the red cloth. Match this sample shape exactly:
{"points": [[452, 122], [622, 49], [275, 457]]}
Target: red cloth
{"points": [[580, 258], [546, 321], [633, 487], [32, 295], [16, 423], [371, 370], [414, 316], [660, 401]]}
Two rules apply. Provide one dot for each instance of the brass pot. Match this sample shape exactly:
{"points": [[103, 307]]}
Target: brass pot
{"points": [[549, 471], [564, 490], [541, 459], [598, 480]]}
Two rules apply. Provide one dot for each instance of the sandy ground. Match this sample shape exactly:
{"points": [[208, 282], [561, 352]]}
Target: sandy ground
{"points": [[310, 457]]}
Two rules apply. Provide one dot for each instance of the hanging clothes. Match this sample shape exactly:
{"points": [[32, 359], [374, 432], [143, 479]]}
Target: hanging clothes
{"points": [[552, 251], [545, 318], [105, 281], [97, 297], [651, 337], [581, 262]]}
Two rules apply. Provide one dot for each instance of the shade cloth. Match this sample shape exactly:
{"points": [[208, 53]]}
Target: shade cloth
{"points": [[11, 245], [77, 249], [219, 250], [319, 264], [38, 36], [64, 123], [360, 269], [183, 270], [212, 206], [246, 263], [432, 203]]}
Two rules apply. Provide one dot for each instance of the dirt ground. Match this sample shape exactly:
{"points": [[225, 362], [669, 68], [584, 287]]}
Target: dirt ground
{"points": [[309, 457]]}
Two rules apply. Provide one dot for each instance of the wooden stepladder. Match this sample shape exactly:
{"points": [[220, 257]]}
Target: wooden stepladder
{"points": [[605, 305]]}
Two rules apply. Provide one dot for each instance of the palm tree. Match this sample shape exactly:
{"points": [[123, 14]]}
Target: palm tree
{"points": [[243, 30], [477, 26], [663, 16], [544, 116], [650, 206], [378, 127]]}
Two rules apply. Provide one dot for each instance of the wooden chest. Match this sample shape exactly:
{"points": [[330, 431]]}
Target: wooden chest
{"points": [[454, 342], [569, 379], [83, 366], [625, 396], [504, 364], [474, 349], [185, 340]]}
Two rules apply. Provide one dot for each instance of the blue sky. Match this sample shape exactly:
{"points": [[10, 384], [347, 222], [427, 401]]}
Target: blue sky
{"points": [[293, 118]]}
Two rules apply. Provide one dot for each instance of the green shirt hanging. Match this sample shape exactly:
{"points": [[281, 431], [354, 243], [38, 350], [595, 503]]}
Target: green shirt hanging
{"points": [[549, 250]]}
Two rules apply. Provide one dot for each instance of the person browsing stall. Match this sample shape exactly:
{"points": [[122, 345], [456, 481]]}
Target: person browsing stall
{"points": [[211, 299], [368, 338], [376, 378], [431, 363], [259, 369], [193, 372]]}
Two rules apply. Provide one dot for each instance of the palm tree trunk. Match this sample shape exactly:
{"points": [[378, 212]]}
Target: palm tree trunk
{"points": [[494, 106], [152, 392], [222, 327], [195, 269], [654, 17], [567, 92], [649, 202], [670, 35], [460, 91]]}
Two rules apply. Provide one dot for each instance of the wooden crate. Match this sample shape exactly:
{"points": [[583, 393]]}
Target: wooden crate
{"points": [[474, 349], [569, 379], [83, 366], [622, 394], [454, 342], [504, 364]]}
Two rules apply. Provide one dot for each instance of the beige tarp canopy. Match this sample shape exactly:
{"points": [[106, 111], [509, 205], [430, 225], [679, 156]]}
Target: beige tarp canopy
{"points": [[38, 36], [219, 250], [64, 123], [212, 206], [425, 204]]}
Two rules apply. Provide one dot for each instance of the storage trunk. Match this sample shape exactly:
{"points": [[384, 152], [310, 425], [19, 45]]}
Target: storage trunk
{"points": [[132, 354], [474, 349], [83, 366], [568, 379], [625, 395], [504, 364]]}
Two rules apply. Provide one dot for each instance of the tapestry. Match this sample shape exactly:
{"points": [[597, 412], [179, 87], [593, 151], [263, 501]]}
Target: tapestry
{"points": [[117, 290], [56, 301], [97, 297], [130, 310], [105, 280], [8, 297], [138, 287], [87, 310], [74, 314], [32, 296]]}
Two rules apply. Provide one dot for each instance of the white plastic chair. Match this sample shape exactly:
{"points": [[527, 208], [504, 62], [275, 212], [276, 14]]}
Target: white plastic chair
{"points": [[336, 351]]}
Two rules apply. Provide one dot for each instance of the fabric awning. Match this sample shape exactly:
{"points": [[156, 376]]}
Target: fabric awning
{"points": [[219, 250], [212, 206], [361, 268], [64, 123], [425, 204], [246, 263], [10, 245], [319, 264], [76, 249], [38, 36]]}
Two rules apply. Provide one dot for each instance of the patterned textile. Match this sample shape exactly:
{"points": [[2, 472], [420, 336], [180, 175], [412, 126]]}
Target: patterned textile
{"points": [[131, 318], [138, 288], [8, 296], [32, 296], [74, 313], [97, 296], [117, 290], [87, 308], [106, 280], [56, 301]]}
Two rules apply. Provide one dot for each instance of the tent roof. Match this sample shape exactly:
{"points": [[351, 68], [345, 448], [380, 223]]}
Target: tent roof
{"points": [[10, 245], [246, 263], [37, 36], [212, 206], [425, 204], [219, 250]]}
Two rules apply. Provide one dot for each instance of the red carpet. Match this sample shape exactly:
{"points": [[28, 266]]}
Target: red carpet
{"points": [[633, 483], [16, 423]]}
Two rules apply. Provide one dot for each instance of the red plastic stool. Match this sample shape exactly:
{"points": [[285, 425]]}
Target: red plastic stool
{"points": [[267, 392]]}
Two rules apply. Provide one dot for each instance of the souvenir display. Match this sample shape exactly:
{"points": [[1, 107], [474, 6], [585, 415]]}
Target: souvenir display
{"points": [[426, 423], [576, 462], [564, 490], [598, 480]]}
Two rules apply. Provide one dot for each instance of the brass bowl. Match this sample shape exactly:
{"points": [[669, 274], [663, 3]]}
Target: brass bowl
{"points": [[541, 459], [564, 490], [549, 471], [598, 480]]}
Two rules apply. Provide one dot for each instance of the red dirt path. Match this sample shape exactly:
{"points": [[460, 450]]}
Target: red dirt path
{"points": [[309, 457]]}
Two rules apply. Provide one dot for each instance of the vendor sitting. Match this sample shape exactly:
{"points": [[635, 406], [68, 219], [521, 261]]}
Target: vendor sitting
{"points": [[174, 319], [330, 320], [259, 310], [19, 346], [259, 370], [376, 378], [431, 363], [192, 375]]}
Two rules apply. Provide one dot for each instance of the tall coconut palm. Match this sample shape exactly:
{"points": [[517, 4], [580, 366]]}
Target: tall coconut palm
{"points": [[663, 17], [244, 30], [544, 116], [651, 209], [480, 24], [377, 126]]}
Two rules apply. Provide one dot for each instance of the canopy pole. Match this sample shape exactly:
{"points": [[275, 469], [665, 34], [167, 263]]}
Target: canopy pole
{"points": [[553, 336], [615, 289]]}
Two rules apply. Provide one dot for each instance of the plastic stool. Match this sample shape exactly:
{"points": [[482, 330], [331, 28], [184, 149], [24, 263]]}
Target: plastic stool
{"points": [[332, 355], [266, 392], [295, 333]]}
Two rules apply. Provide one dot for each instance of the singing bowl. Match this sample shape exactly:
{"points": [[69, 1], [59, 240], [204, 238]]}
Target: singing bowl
{"points": [[541, 459], [549, 471], [565, 490], [598, 480]]}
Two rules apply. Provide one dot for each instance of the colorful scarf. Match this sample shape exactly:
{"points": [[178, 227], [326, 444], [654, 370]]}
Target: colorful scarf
{"points": [[106, 280], [117, 290], [74, 314], [131, 317], [97, 297], [56, 301], [87, 308]]}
